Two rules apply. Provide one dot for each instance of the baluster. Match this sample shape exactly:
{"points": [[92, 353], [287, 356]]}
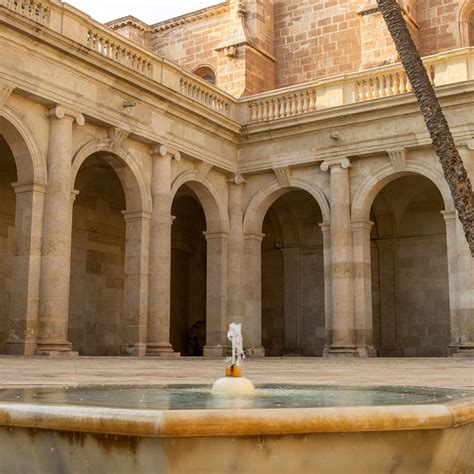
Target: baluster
{"points": [[253, 113], [293, 105], [312, 100], [276, 108], [264, 110], [259, 112], [299, 107], [305, 99]]}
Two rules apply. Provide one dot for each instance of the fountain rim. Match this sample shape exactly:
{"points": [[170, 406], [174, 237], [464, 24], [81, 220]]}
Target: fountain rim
{"points": [[227, 422]]}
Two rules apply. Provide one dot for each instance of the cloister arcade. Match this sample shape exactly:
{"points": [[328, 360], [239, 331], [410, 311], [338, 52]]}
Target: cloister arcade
{"points": [[118, 248]]}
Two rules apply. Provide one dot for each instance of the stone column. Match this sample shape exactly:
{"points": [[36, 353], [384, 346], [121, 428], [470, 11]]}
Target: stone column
{"points": [[461, 288], [291, 304], [235, 266], [363, 288], [342, 272], [253, 292], [135, 307], [56, 244], [159, 344], [26, 268], [326, 230], [216, 299]]}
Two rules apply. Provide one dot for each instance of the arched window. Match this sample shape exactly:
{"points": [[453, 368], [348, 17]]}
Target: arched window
{"points": [[470, 28], [466, 23], [206, 73]]}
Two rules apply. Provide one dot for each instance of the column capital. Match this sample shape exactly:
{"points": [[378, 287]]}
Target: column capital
{"points": [[60, 112], [362, 224], [136, 215], [450, 215], [236, 179], [343, 163], [74, 195], [258, 236], [325, 227], [162, 150], [216, 235], [26, 187]]}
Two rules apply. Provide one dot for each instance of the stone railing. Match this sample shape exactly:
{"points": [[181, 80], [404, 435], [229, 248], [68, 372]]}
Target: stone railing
{"points": [[111, 47], [95, 37], [204, 96], [32, 9], [377, 83]]}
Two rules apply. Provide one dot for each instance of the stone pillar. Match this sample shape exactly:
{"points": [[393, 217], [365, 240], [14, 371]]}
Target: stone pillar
{"points": [[216, 299], [461, 288], [291, 304], [235, 266], [159, 344], [326, 230], [56, 243], [342, 273], [26, 268], [135, 306], [363, 288], [253, 292]]}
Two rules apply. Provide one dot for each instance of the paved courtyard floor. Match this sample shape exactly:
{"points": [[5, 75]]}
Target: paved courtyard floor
{"points": [[23, 371]]}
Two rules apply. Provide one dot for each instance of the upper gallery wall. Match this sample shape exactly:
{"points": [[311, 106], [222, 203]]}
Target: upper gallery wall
{"points": [[252, 46]]}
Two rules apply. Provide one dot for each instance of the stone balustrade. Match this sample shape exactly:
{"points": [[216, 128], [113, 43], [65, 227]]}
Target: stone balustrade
{"points": [[290, 102], [32, 9], [111, 47], [206, 97], [444, 68]]}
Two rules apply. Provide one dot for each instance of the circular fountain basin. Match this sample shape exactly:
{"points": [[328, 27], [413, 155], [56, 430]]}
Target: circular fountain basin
{"points": [[278, 428]]}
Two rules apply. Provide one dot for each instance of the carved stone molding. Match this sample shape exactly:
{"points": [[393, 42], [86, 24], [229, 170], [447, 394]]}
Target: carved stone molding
{"points": [[203, 169], [398, 159], [5, 91], [236, 179], [60, 111], [283, 175], [117, 136], [344, 163]]}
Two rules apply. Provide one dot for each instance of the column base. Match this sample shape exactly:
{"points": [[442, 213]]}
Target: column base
{"points": [[367, 351], [55, 349], [341, 352], [163, 350], [22, 348], [215, 351], [257, 351], [462, 351]]}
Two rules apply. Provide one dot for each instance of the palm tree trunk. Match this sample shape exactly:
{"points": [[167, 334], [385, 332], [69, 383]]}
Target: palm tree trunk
{"points": [[443, 142]]}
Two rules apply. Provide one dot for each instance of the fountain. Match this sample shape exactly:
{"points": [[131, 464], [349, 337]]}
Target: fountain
{"points": [[236, 427], [233, 382]]}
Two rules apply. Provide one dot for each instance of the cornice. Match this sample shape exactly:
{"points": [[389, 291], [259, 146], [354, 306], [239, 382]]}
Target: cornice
{"points": [[192, 17]]}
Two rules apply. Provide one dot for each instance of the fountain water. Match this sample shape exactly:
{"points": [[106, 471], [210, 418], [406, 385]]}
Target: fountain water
{"points": [[233, 382]]}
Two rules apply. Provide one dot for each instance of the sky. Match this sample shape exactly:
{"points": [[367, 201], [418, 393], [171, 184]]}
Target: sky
{"points": [[149, 11]]}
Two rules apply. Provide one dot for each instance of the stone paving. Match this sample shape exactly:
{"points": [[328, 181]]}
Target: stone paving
{"points": [[22, 371]]}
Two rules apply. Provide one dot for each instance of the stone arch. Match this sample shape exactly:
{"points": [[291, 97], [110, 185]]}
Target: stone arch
{"points": [[465, 11], [136, 191], [214, 205], [206, 72], [269, 193], [376, 181], [30, 161]]}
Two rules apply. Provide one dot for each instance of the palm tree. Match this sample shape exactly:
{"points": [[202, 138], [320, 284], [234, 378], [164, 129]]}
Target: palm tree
{"points": [[443, 142]]}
